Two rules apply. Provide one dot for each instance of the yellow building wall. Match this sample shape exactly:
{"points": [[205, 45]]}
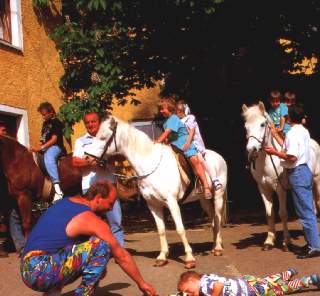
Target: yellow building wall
{"points": [[30, 76]]}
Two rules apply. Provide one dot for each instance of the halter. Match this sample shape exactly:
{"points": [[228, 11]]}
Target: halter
{"points": [[100, 160]]}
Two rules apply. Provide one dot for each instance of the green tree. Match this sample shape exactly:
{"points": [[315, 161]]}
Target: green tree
{"points": [[211, 49]]}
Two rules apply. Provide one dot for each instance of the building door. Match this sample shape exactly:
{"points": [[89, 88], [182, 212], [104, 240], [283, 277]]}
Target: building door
{"points": [[16, 121]]}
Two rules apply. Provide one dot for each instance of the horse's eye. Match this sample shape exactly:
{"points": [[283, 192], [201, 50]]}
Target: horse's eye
{"points": [[263, 124]]}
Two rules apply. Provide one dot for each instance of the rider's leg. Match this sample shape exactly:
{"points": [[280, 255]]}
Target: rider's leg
{"points": [[215, 181], [50, 160], [199, 170]]}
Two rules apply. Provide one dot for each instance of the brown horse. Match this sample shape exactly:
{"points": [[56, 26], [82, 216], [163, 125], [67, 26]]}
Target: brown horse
{"points": [[26, 181]]}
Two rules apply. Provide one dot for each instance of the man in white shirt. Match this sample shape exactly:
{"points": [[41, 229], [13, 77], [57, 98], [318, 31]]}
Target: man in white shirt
{"points": [[91, 172], [295, 155]]}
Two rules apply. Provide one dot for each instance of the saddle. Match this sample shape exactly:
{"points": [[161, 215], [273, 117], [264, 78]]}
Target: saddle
{"points": [[186, 171], [38, 158]]}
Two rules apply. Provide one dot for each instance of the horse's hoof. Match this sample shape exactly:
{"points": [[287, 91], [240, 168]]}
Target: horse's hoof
{"points": [[267, 247], [160, 263], [190, 264], [217, 252]]}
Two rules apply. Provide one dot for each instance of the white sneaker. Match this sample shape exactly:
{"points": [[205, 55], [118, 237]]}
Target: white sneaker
{"points": [[58, 193]]}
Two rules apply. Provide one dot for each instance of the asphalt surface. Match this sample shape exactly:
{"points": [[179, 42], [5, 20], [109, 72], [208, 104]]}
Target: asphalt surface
{"points": [[243, 238]]}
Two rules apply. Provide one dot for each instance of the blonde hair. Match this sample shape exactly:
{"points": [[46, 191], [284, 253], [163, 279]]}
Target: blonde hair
{"points": [[188, 276], [275, 95], [289, 95], [169, 103]]}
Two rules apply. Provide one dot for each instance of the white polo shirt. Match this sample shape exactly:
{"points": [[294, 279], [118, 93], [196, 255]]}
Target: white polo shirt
{"points": [[297, 143], [89, 177], [191, 123]]}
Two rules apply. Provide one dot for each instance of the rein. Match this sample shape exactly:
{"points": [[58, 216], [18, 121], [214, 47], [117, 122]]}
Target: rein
{"points": [[142, 176]]}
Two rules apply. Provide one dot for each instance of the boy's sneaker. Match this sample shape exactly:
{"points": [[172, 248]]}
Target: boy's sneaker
{"points": [[216, 184], [293, 271], [58, 193], [315, 280]]}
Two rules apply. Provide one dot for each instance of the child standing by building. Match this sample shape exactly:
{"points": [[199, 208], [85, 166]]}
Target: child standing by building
{"points": [[278, 112], [183, 112], [195, 284], [176, 133]]}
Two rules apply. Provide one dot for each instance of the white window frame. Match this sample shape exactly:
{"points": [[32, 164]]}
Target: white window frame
{"points": [[16, 26], [22, 122]]}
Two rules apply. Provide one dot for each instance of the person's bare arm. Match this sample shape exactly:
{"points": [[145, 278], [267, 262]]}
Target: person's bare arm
{"points": [[282, 122], [217, 289], [89, 224], [46, 145], [276, 135], [189, 139], [163, 136]]}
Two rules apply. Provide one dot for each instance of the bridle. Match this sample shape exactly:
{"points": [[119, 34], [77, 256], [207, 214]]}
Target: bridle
{"points": [[100, 160]]}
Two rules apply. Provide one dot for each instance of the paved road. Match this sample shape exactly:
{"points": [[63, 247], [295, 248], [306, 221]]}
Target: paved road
{"points": [[242, 255]]}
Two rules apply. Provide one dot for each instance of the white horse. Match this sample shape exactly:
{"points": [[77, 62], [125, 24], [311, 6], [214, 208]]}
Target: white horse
{"points": [[159, 181], [267, 171]]}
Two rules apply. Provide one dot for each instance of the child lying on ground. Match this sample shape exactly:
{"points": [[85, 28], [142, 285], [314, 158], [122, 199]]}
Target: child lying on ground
{"points": [[192, 283]]}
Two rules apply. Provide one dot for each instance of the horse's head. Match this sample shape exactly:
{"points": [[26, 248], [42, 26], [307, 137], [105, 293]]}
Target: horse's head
{"points": [[256, 123]]}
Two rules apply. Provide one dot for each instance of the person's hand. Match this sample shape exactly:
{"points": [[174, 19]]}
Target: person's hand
{"points": [[35, 149], [270, 150], [91, 161], [147, 289], [185, 147]]}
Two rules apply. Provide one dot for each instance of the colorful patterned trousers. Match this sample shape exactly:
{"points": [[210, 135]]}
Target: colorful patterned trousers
{"points": [[42, 272], [277, 284]]}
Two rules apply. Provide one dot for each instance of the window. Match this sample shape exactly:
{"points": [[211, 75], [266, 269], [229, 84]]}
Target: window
{"points": [[152, 128], [5, 21], [10, 23]]}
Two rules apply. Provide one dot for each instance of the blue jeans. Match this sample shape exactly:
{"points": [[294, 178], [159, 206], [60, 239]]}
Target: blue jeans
{"points": [[114, 218], [301, 179], [50, 160], [16, 230]]}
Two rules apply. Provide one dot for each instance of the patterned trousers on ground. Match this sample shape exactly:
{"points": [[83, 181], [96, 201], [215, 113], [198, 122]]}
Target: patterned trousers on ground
{"points": [[42, 272], [277, 284]]}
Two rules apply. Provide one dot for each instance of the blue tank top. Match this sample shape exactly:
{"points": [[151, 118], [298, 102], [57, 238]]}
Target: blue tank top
{"points": [[49, 233]]}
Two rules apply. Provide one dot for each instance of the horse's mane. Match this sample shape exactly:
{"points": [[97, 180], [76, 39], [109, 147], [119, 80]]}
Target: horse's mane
{"points": [[251, 113], [135, 138]]}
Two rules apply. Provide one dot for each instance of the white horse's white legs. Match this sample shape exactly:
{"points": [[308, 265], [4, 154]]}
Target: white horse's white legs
{"points": [[266, 195], [219, 209], [284, 217], [176, 215], [157, 213]]}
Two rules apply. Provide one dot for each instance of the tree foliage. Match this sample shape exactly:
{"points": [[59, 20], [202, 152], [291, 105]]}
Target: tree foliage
{"points": [[109, 48]]}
